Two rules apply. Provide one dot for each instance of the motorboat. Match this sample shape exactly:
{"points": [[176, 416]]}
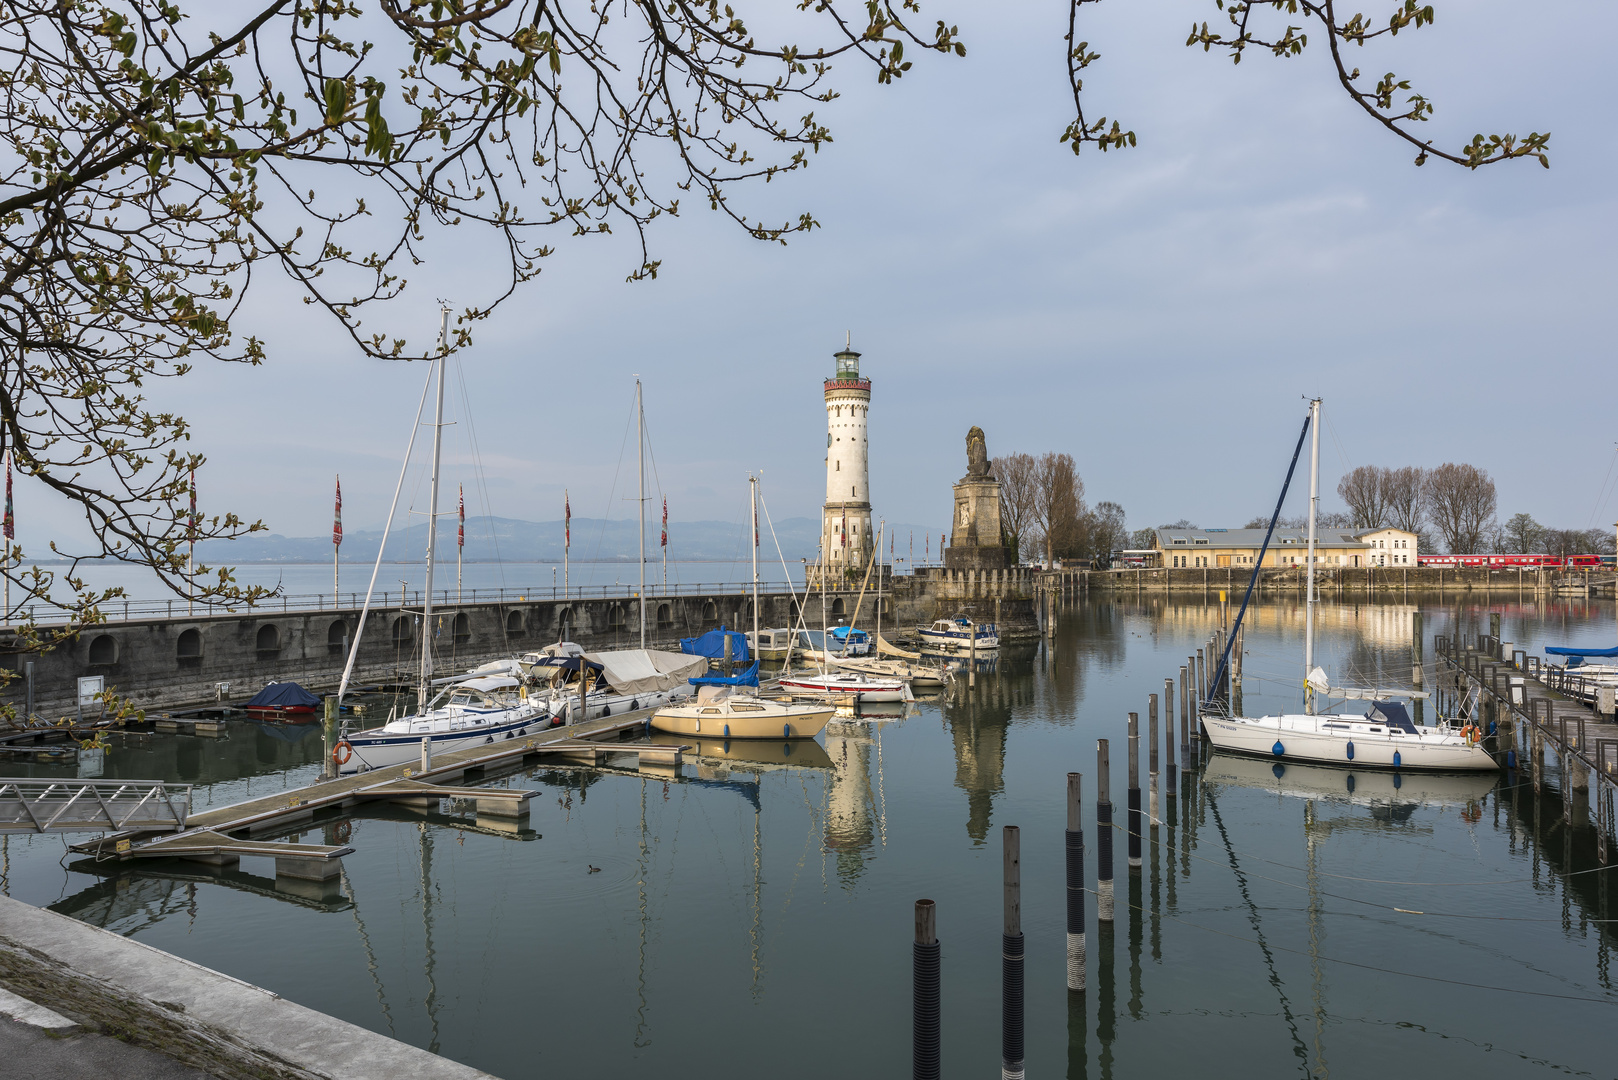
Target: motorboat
{"points": [[722, 712], [959, 634], [1384, 737], [918, 675], [847, 641], [478, 711], [284, 703], [770, 644], [858, 685]]}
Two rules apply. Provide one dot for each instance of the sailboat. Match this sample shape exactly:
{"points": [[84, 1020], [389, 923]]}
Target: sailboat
{"points": [[1384, 737], [473, 710]]}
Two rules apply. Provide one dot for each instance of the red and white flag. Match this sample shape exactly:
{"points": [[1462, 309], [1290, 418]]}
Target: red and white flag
{"points": [[845, 528], [460, 530], [567, 521], [665, 521], [337, 517]]}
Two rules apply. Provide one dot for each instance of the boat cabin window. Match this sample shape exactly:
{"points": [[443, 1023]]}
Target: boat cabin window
{"points": [[710, 712], [461, 697], [747, 708]]}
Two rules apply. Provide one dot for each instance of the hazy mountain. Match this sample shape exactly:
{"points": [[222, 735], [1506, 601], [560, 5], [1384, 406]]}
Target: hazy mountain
{"points": [[506, 539]]}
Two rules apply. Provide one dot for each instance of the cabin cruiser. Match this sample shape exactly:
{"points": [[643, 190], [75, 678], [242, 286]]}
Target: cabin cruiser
{"points": [[476, 711], [771, 644], [957, 634], [725, 712]]}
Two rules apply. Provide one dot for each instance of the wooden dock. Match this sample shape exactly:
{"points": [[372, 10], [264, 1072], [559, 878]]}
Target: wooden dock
{"points": [[1530, 706]]}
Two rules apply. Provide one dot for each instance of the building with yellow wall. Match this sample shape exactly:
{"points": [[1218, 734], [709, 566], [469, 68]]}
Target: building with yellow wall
{"points": [[1334, 548]]}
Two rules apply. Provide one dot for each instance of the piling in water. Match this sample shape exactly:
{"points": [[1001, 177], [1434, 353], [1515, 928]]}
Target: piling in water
{"points": [[1011, 961], [1173, 779], [1132, 792], [927, 1034], [1152, 816], [1075, 885], [1103, 833], [1185, 721]]}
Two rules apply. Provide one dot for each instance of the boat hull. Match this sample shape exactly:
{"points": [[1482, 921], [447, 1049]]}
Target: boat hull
{"points": [[283, 714], [1434, 751], [798, 724], [377, 749], [953, 642], [881, 693]]}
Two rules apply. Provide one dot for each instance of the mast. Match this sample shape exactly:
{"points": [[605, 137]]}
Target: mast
{"points": [[1309, 578], [432, 516], [752, 493], [640, 505]]}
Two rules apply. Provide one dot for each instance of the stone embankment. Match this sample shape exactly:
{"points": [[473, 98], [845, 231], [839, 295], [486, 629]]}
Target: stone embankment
{"points": [[1333, 582]]}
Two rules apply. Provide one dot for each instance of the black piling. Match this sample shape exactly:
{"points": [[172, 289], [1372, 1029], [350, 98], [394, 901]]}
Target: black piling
{"points": [[1132, 792], [1011, 961], [927, 1037], [1103, 833], [1185, 721], [1153, 818], [1172, 781], [1075, 885]]}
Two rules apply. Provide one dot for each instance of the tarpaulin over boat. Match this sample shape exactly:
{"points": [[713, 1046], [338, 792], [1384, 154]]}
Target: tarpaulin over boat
{"points": [[1557, 650], [745, 678], [640, 671], [285, 695], [712, 645]]}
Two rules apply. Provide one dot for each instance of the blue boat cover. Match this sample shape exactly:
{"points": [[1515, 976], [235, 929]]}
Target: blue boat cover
{"points": [[1557, 650], [284, 694], [746, 678], [712, 645], [844, 633], [1393, 714]]}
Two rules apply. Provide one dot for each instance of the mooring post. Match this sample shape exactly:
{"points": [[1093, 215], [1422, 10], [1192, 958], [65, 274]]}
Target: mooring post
{"points": [[1185, 720], [426, 754], [1202, 681], [1171, 788], [1132, 792], [1494, 629], [1153, 817], [328, 736], [1103, 833], [926, 1041], [1075, 885], [1011, 961]]}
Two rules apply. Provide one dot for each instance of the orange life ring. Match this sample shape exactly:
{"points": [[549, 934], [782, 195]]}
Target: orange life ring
{"points": [[342, 752]]}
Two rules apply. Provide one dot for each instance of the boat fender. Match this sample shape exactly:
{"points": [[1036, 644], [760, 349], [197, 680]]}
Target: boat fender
{"points": [[699, 725], [1351, 783], [1492, 729], [727, 731], [1278, 749], [648, 725], [634, 703], [1511, 759], [1351, 749], [487, 739], [508, 734], [522, 731], [342, 752], [1398, 759], [606, 710]]}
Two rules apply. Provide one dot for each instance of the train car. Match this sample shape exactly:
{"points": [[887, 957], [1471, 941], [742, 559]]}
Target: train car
{"points": [[1497, 562], [1590, 560]]}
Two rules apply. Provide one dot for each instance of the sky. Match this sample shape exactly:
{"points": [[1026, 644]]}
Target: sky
{"points": [[1160, 313]]}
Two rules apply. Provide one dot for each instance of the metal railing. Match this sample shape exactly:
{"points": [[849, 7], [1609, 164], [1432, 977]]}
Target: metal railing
{"points": [[93, 806]]}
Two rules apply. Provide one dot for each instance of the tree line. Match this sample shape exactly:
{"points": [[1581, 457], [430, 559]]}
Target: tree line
{"points": [[1043, 511]]}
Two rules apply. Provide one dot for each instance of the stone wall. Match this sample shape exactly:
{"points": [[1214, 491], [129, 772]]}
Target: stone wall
{"points": [[1332, 582]]}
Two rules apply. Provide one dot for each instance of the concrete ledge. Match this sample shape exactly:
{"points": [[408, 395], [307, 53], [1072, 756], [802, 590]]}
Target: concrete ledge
{"points": [[24, 1011], [224, 1026]]}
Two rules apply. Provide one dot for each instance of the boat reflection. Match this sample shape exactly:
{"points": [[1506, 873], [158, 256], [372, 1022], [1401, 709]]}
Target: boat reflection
{"points": [[751, 753], [1363, 787]]}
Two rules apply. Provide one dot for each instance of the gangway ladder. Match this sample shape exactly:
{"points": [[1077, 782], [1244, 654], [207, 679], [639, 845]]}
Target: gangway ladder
{"points": [[93, 806]]}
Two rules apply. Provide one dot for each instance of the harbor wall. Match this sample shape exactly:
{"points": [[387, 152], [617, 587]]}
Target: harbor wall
{"points": [[1335, 581]]}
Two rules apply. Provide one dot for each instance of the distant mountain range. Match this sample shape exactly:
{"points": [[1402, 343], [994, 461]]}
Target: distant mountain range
{"points": [[490, 539]]}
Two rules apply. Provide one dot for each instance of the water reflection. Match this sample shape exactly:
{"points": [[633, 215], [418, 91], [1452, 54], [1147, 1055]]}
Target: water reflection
{"points": [[851, 798]]}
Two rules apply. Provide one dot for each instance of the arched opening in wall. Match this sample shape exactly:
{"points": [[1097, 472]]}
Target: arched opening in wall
{"points": [[514, 624], [797, 612], [564, 622], [103, 650], [188, 649], [710, 614], [665, 617], [463, 628], [337, 638], [615, 619], [269, 640], [404, 631], [837, 607]]}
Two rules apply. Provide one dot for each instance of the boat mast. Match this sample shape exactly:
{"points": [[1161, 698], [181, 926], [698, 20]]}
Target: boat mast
{"points": [[1309, 579], [640, 505], [432, 515], [752, 497]]}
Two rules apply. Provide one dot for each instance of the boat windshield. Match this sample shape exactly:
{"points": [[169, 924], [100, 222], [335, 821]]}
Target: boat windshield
{"points": [[1393, 714]]}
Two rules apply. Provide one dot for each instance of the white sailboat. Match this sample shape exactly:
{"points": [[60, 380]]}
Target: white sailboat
{"points": [[1384, 737], [474, 710]]}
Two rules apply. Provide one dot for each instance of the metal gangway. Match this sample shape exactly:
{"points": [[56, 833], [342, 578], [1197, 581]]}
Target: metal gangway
{"points": [[93, 805]]}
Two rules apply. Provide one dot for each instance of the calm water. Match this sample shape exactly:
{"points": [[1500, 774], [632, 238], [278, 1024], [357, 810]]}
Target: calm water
{"points": [[758, 916]]}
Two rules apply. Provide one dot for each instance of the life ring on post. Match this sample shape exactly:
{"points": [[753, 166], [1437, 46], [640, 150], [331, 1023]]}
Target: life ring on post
{"points": [[342, 752]]}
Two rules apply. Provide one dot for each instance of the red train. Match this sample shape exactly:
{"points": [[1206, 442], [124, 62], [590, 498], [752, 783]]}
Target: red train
{"points": [[1514, 562]]}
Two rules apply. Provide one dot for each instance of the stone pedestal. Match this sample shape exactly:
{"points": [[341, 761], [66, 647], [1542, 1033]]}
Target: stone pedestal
{"points": [[975, 534]]}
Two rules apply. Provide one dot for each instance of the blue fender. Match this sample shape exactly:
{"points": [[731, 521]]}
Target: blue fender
{"points": [[1278, 749], [727, 731], [786, 731], [1398, 759], [1351, 749]]}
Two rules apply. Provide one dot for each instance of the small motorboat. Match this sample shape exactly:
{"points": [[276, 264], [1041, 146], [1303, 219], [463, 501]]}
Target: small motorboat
{"points": [[770, 644], [283, 702], [723, 712], [858, 685], [958, 634], [847, 641]]}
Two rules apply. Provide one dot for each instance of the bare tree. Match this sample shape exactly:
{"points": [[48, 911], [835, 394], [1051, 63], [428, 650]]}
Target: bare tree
{"points": [[1107, 532], [1362, 490], [1403, 495], [1460, 499], [1016, 475], [1521, 534], [1058, 504]]}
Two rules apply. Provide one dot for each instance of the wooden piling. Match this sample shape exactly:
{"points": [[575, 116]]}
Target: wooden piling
{"points": [[1171, 787], [927, 1028], [1185, 721], [1075, 885], [1132, 792], [1152, 816], [1103, 833], [1011, 961]]}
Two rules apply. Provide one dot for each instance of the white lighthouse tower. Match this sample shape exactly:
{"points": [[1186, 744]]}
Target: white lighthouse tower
{"points": [[846, 539]]}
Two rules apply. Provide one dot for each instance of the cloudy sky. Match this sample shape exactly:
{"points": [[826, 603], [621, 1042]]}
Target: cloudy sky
{"points": [[1159, 313]]}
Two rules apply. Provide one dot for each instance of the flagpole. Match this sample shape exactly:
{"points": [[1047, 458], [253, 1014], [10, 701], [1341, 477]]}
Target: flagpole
{"points": [[567, 538], [191, 553], [336, 547], [460, 543]]}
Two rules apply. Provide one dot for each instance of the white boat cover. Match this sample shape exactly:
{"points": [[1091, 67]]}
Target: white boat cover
{"points": [[491, 683], [640, 671]]}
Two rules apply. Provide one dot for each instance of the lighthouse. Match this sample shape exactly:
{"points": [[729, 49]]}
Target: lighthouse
{"points": [[846, 539]]}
